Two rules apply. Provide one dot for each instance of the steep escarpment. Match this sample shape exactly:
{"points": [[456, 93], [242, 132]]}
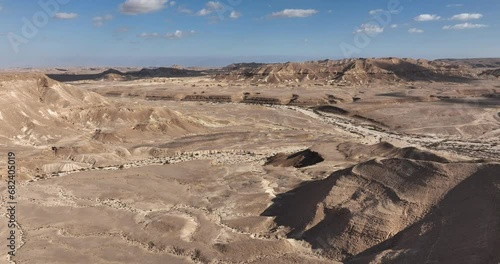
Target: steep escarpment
{"points": [[350, 71]]}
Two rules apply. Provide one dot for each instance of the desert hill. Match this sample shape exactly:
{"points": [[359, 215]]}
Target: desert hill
{"points": [[33, 104], [461, 228], [379, 209], [39, 112], [349, 71], [117, 75]]}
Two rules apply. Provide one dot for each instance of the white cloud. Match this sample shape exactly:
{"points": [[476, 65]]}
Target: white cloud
{"points": [[185, 10], [149, 35], [178, 34], [369, 29], [375, 11], [295, 13], [100, 20], [394, 26], [210, 7], [466, 16], [172, 3], [214, 5], [235, 15], [134, 7], [122, 30], [1, 7], [65, 15], [204, 12], [415, 31], [455, 5], [427, 17], [465, 26]]}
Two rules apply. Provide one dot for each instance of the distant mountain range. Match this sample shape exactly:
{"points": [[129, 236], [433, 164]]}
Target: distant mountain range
{"points": [[350, 71], [359, 71]]}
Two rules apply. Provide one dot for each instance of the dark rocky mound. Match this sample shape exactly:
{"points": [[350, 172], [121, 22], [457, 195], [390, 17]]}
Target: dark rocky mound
{"points": [[164, 72], [332, 109], [239, 66], [298, 160], [112, 71], [112, 74]]}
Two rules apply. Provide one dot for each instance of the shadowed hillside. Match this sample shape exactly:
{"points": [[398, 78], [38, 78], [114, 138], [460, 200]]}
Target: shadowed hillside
{"points": [[409, 200], [350, 71]]}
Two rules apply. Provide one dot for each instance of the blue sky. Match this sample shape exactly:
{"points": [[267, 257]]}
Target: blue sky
{"points": [[36, 33]]}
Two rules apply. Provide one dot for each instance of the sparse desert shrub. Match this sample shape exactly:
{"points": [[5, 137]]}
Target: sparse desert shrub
{"points": [[178, 251], [222, 248], [151, 245], [197, 256]]}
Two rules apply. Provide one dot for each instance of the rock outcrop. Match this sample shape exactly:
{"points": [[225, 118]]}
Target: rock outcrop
{"points": [[349, 72]]}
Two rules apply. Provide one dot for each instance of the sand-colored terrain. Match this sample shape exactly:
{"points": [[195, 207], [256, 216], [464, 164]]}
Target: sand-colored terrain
{"points": [[202, 168]]}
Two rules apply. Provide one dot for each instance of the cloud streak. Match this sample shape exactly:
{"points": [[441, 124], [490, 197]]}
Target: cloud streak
{"points": [[210, 7], [135, 7], [427, 17], [415, 31], [235, 15], [65, 16], [464, 26], [466, 16], [100, 20], [294, 13], [369, 29], [178, 34]]}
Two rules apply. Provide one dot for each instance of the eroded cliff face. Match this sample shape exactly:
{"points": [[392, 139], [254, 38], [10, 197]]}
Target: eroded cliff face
{"points": [[491, 73], [350, 71]]}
